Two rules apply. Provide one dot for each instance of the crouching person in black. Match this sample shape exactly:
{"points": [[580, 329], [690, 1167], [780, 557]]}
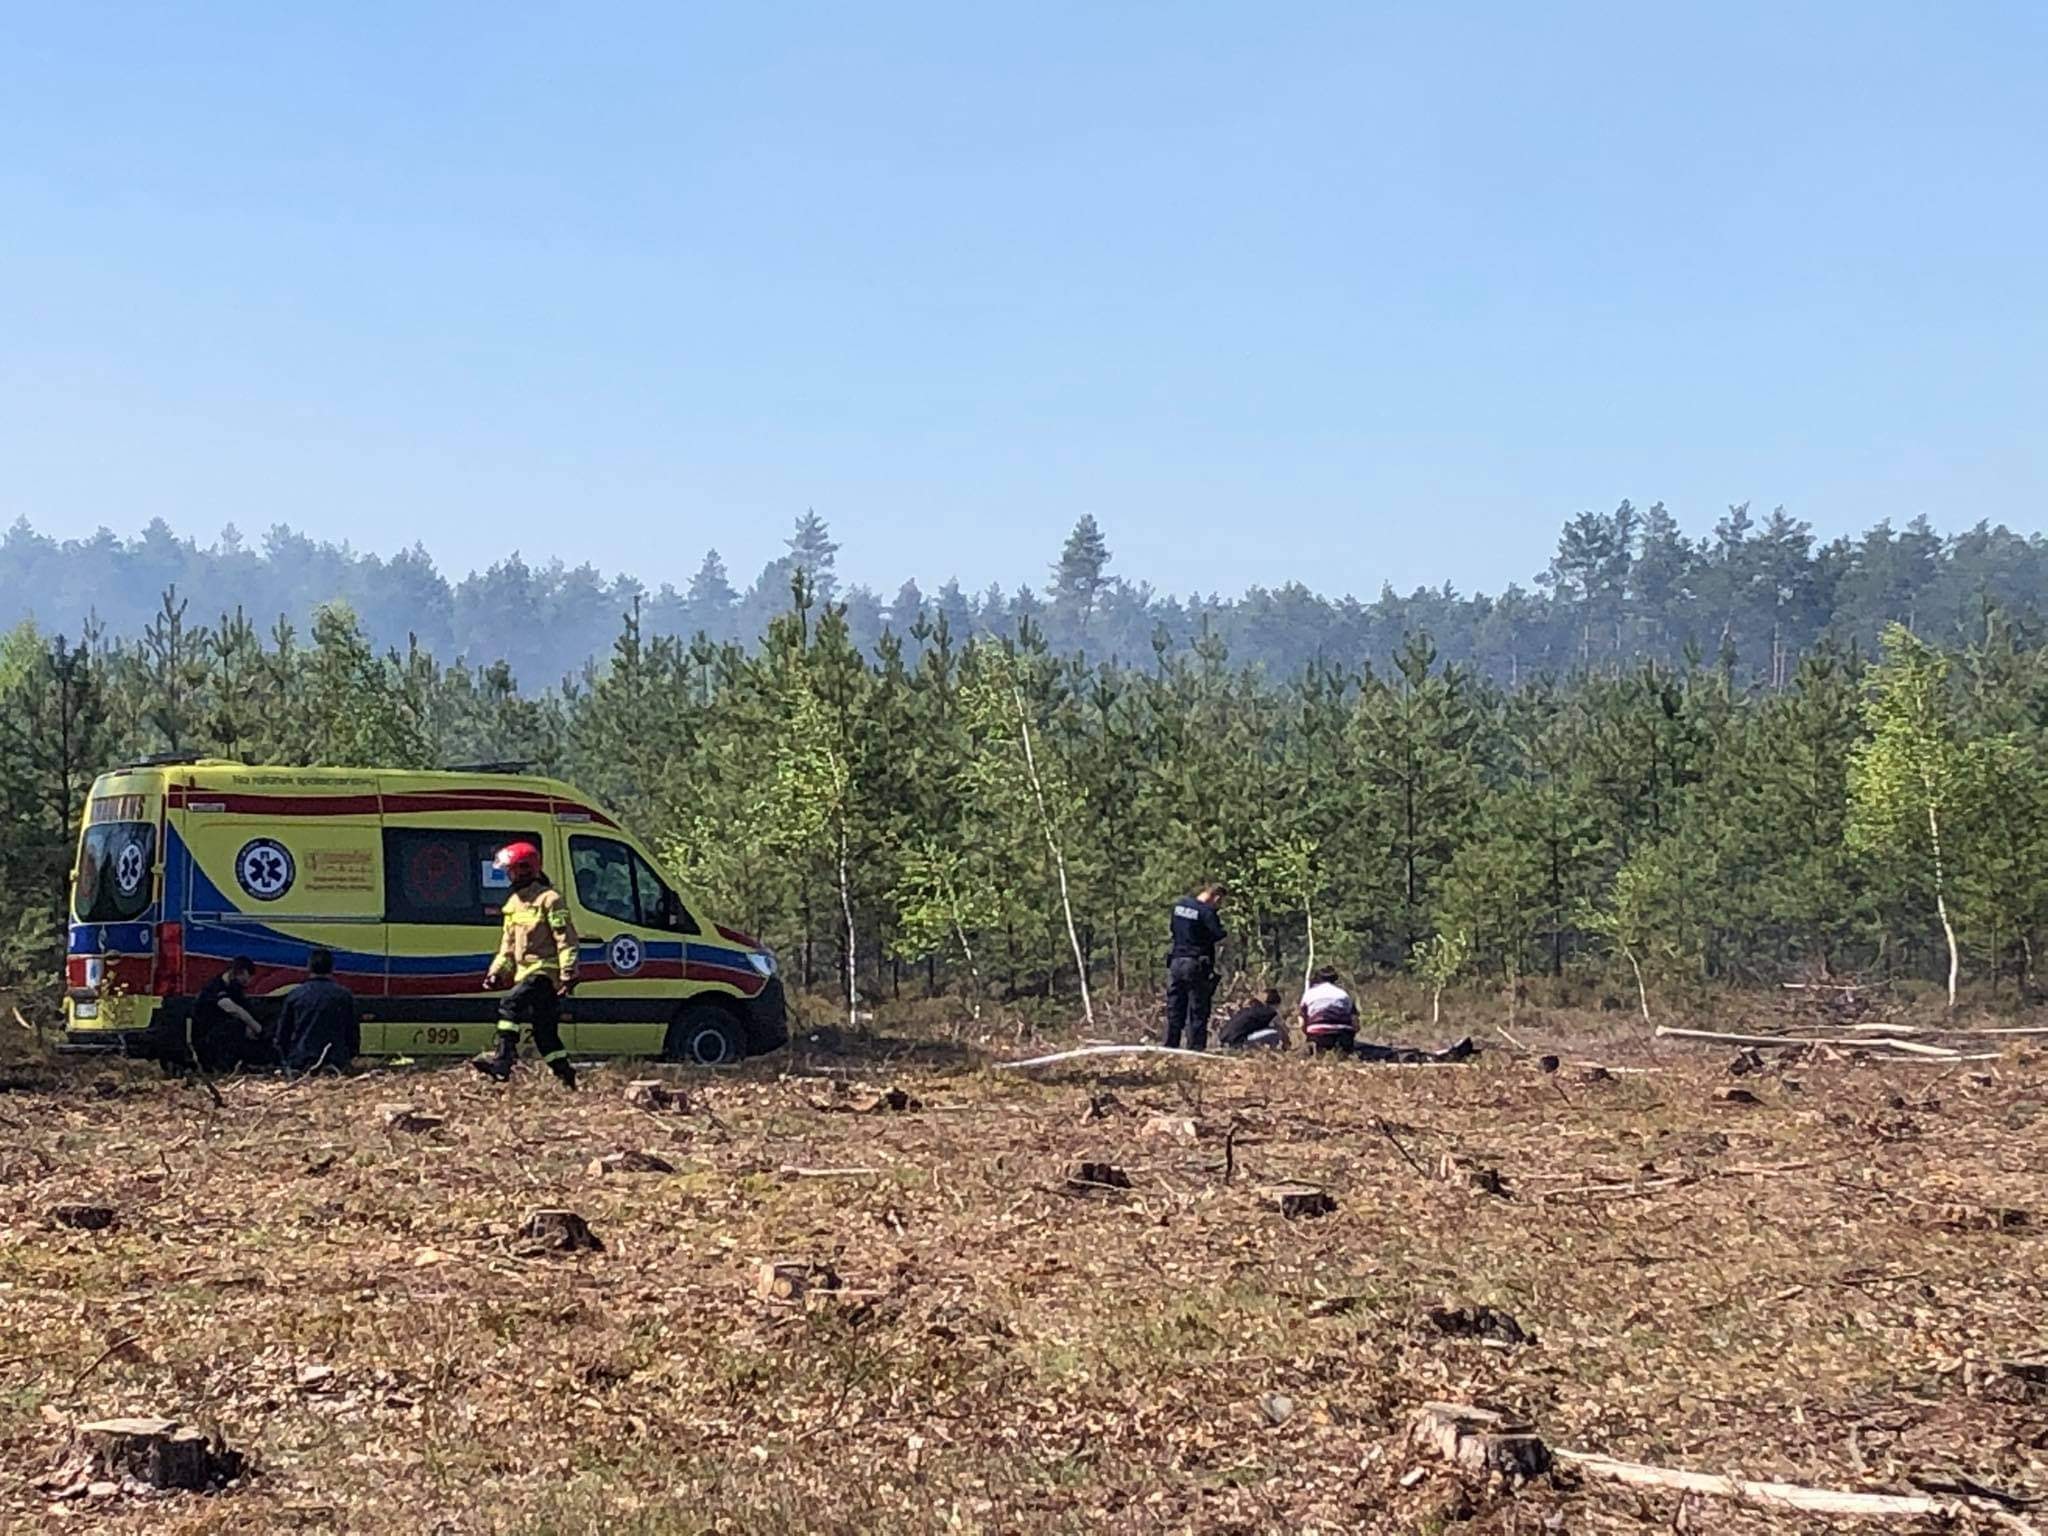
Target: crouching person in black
{"points": [[1255, 1026], [224, 1033], [318, 1030]]}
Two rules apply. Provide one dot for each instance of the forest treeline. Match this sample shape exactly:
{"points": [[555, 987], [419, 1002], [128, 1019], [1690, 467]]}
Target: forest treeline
{"points": [[992, 815], [1628, 585]]}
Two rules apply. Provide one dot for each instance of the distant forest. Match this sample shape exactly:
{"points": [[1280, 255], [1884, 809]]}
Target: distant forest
{"points": [[1753, 595]]}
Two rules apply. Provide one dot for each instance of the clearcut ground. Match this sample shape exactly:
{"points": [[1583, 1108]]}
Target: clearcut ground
{"points": [[1829, 1285]]}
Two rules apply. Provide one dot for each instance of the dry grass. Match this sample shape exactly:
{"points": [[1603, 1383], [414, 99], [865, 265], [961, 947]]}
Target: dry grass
{"points": [[1825, 1292]]}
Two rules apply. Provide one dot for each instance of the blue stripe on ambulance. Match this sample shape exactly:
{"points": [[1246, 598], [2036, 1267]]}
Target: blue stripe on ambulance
{"points": [[215, 940]]}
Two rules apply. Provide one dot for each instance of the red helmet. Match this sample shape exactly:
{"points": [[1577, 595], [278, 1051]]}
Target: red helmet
{"points": [[519, 860]]}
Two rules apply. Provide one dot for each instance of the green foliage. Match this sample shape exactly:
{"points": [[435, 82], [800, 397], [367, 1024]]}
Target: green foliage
{"points": [[54, 739], [1912, 774], [994, 815], [1079, 574], [1911, 762], [1415, 740], [1438, 960], [1650, 914]]}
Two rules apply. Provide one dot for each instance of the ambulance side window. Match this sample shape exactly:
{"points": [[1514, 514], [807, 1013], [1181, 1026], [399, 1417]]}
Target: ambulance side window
{"points": [[603, 872], [615, 882], [443, 876], [660, 907]]}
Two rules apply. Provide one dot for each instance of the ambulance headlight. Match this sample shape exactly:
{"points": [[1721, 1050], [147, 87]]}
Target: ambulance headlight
{"points": [[762, 960]]}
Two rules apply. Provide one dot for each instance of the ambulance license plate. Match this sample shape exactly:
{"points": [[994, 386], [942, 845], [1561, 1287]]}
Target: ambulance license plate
{"points": [[85, 1010]]}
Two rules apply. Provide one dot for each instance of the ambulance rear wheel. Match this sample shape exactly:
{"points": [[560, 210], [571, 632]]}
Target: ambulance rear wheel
{"points": [[706, 1036]]}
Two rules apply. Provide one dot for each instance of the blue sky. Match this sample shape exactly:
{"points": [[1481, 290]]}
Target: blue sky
{"points": [[1340, 293]]}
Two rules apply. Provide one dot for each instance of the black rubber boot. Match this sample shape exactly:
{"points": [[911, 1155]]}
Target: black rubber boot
{"points": [[497, 1064], [564, 1073]]}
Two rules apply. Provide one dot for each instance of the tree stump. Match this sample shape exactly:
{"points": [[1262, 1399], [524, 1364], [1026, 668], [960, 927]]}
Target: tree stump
{"points": [[158, 1452], [1459, 1170], [1300, 1201], [629, 1162], [83, 1218], [1097, 1178], [1983, 1218], [653, 1093], [1491, 1181], [1102, 1105], [563, 1231], [1478, 1322], [1483, 1443], [410, 1119], [792, 1281], [845, 1099], [2029, 1376], [1334, 1306]]}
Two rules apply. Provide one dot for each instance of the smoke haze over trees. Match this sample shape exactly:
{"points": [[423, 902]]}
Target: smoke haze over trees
{"points": [[1622, 587]]}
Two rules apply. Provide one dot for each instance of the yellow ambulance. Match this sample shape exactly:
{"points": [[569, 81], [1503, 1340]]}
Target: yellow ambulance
{"points": [[185, 865]]}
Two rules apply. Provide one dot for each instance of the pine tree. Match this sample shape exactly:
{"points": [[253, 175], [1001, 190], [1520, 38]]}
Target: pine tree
{"points": [[1498, 884], [350, 702], [234, 663], [817, 768], [174, 658], [1773, 812], [1078, 576], [1413, 740], [812, 551], [708, 605], [53, 742]]}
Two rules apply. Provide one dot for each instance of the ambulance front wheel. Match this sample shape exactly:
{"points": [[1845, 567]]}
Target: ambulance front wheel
{"points": [[706, 1036]]}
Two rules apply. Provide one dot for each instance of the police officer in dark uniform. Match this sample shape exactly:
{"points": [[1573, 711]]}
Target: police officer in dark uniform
{"points": [[1191, 967]]}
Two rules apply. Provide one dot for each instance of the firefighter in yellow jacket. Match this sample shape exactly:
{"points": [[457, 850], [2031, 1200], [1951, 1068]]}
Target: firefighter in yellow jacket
{"points": [[538, 956]]}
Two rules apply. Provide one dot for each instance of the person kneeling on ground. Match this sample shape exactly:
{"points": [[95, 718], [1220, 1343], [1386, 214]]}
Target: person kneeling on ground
{"points": [[223, 1033], [1330, 1020], [318, 1029], [1256, 1026]]}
